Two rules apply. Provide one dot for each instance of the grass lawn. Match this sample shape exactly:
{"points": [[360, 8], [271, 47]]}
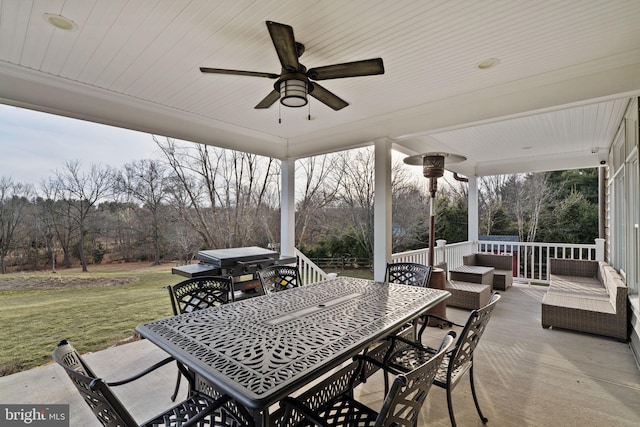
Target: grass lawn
{"points": [[94, 310]]}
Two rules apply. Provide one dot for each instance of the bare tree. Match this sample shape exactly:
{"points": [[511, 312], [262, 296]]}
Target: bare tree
{"points": [[44, 230], [223, 195], [14, 199], [56, 211], [184, 240], [490, 193], [357, 193], [82, 191], [146, 181], [533, 195], [321, 180]]}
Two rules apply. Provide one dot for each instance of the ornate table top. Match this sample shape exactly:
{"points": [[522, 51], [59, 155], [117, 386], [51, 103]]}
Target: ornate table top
{"points": [[261, 349]]}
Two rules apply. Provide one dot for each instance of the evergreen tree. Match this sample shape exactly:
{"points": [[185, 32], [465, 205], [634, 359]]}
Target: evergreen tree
{"points": [[451, 220]]}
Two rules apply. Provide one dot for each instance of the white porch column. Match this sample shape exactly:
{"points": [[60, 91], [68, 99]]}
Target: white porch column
{"points": [[382, 243], [600, 249], [287, 208], [473, 214]]}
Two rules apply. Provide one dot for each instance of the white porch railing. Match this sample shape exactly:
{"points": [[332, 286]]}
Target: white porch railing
{"points": [[309, 271], [530, 259]]}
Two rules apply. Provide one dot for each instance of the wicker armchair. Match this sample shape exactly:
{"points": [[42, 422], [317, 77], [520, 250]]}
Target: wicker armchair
{"points": [[404, 355], [196, 294], [408, 273], [198, 409], [279, 278], [331, 403], [502, 264]]}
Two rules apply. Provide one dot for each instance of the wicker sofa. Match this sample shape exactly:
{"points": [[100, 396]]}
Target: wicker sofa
{"points": [[503, 265], [586, 296]]}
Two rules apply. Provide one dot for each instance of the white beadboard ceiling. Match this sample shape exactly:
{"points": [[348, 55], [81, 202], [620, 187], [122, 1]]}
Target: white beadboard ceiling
{"points": [[567, 71]]}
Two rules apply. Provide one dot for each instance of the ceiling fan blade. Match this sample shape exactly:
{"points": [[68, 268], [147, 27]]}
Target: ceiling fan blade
{"points": [[269, 100], [328, 98], [285, 44], [366, 67], [238, 72]]}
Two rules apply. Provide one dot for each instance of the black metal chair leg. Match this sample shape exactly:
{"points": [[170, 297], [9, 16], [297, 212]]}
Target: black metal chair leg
{"points": [[475, 398], [450, 406], [386, 382], [175, 392]]}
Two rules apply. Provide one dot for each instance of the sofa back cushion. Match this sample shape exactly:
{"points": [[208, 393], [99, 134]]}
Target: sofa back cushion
{"points": [[573, 267], [499, 262], [614, 285]]}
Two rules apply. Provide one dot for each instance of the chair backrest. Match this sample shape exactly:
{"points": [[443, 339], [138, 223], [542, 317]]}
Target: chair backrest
{"points": [[408, 273], [462, 355], [279, 277], [102, 401], [200, 292], [408, 392]]}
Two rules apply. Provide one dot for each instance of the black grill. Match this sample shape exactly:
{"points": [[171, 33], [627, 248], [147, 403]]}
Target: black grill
{"points": [[240, 263]]}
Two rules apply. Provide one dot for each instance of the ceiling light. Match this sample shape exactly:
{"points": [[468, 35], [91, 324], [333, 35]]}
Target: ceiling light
{"points": [[488, 63], [293, 92], [60, 22]]}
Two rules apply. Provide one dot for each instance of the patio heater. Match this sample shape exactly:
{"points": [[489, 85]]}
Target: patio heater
{"points": [[433, 168]]}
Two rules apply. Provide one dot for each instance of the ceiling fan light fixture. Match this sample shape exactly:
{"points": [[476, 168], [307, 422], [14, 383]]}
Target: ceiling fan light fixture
{"points": [[293, 93]]}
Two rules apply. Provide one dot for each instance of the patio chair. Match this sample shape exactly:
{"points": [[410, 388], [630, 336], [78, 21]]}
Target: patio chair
{"points": [[332, 403], [200, 292], [408, 273], [404, 355], [196, 294], [279, 278], [198, 409]]}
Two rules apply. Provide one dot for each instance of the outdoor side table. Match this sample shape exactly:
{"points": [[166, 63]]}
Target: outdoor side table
{"points": [[473, 274]]}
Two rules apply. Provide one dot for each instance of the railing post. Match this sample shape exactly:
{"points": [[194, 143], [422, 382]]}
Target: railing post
{"points": [[599, 249], [440, 244]]}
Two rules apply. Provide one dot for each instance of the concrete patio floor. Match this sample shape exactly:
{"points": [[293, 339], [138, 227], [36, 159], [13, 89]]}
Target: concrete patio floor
{"points": [[525, 376]]}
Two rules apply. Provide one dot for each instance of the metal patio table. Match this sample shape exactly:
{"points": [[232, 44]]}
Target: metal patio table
{"points": [[260, 350]]}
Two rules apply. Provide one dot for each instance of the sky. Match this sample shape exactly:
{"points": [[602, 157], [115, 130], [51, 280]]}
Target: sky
{"points": [[35, 145]]}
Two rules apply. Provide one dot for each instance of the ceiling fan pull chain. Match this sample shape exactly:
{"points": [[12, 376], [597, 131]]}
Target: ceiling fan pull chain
{"points": [[279, 114], [309, 114]]}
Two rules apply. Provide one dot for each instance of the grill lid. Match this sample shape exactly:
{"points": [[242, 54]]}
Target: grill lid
{"points": [[229, 257]]}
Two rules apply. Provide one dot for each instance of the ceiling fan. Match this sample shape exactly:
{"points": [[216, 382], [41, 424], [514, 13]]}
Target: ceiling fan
{"points": [[294, 81]]}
